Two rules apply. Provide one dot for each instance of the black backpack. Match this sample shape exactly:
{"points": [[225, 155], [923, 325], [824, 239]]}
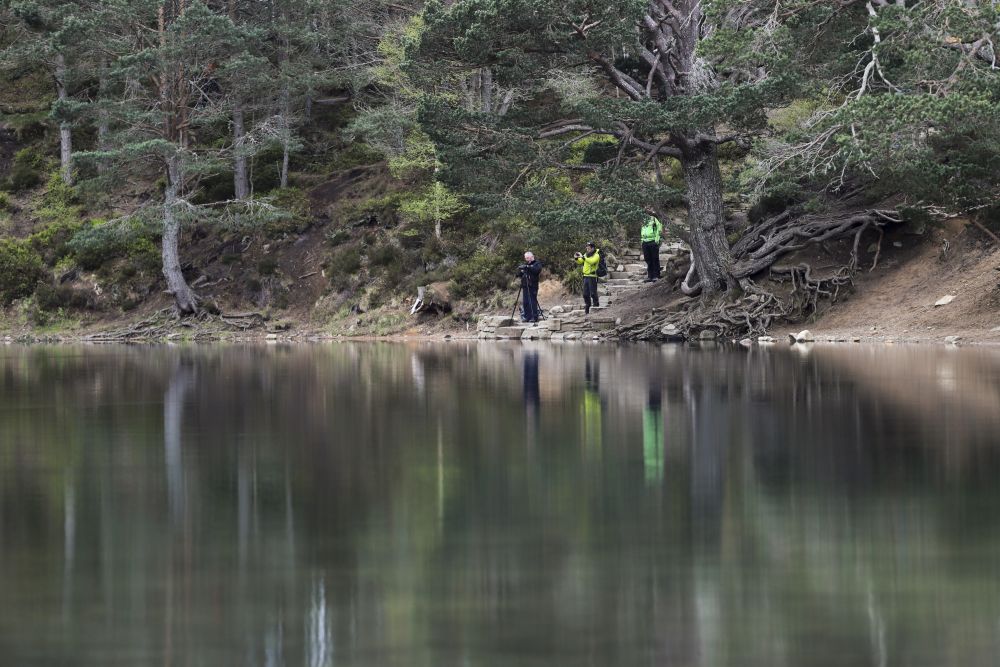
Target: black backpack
{"points": [[602, 266]]}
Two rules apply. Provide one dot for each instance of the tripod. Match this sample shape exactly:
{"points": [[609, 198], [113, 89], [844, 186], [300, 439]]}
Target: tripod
{"points": [[516, 299], [538, 309]]}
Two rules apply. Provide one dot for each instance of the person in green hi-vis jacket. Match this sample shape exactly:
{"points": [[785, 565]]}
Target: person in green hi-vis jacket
{"points": [[651, 235]]}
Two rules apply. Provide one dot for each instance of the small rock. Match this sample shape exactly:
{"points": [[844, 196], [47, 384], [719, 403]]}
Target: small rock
{"points": [[995, 329], [765, 339], [708, 334], [945, 300], [804, 336], [897, 244], [557, 310], [856, 339], [746, 342], [271, 336], [952, 340]]}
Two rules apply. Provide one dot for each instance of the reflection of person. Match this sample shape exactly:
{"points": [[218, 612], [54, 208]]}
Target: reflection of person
{"points": [[532, 396], [531, 393], [652, 435], [592, 409], [651, 235], [529, 273], [590, 262]]}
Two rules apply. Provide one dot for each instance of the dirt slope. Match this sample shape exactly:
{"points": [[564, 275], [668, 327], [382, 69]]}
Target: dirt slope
{"points": [[896, 300]]}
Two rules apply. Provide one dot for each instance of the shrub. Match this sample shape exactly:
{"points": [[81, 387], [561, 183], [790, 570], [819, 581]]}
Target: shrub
{"points": [[52, 241], [384, 255], [268, 266], [483, 272], [26, 170], [53, 297], [345, 260], [97, 243], [20, 270], [338, 237]]}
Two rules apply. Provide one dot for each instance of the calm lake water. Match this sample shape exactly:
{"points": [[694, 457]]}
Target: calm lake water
{"points": [[483, 504]]}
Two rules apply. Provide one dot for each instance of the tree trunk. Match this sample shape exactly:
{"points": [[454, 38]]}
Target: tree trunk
{"points": [[286, 123], [486, 89], [706, 218], [65, 132], [240, 181], [184, 298], [103, 129]]}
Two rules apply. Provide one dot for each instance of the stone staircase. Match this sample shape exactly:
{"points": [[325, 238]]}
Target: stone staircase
{"points": [[626, 273]]}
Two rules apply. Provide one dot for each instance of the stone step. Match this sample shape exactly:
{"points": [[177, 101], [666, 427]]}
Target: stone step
{"points": [[509, 332]]}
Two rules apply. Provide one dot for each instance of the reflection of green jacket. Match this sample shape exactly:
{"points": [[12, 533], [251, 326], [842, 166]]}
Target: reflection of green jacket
{"points": [[589, 263], [652, 444], [651, 231]]}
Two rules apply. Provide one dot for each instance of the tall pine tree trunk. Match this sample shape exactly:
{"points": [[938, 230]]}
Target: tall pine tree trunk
{"points": [[700, 163], [103, 127], [65, 132], [286, 141], [240, 181], [184, 298], [706, 218]]}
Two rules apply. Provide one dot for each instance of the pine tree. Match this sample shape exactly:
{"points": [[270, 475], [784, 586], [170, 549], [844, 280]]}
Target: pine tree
{"points": [[174, 57], [62, 38]]}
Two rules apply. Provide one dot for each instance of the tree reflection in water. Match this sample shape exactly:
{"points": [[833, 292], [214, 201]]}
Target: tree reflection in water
{"points": [[491, 504]]}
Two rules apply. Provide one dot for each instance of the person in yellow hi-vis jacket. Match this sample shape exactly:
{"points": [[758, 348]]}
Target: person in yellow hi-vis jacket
{"points": [[590, 262]]}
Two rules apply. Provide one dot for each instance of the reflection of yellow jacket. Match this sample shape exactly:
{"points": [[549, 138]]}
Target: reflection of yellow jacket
{"points": [[590, 264], [591, 412]]}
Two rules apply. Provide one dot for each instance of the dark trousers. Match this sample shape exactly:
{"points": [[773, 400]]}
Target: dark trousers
{"points": [[590, 291], [531, 310], [651, 254]]}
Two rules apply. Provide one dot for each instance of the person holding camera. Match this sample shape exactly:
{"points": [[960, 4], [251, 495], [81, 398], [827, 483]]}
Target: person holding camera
{"points": [[651, 235], [590, 261], [529, 273]]}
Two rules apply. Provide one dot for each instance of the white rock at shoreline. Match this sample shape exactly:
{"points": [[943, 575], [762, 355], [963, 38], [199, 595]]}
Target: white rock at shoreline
{"points": [[804, 336], [945, 300]]}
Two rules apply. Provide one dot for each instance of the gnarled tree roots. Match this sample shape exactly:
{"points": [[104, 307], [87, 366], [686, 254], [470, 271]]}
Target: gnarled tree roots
{"points": [[163, 323], [794, 291]]}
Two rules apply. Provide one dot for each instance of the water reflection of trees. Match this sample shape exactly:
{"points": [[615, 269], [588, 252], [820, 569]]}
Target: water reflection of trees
{"points": [[425, 505]]}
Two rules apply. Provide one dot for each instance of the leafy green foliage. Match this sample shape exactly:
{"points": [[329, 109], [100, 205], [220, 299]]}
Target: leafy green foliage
{"points": [[26, 170], [21, 268], [98, 243], [436, 205]]}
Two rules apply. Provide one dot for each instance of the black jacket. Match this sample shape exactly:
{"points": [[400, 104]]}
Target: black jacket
{"points": [[529, 274]]}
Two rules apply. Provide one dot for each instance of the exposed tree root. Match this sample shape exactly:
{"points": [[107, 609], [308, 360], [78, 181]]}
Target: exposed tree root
{"points": [[165, 322]]}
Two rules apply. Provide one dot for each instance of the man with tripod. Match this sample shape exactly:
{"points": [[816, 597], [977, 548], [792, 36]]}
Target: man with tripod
{"points": [[528, 273]]}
